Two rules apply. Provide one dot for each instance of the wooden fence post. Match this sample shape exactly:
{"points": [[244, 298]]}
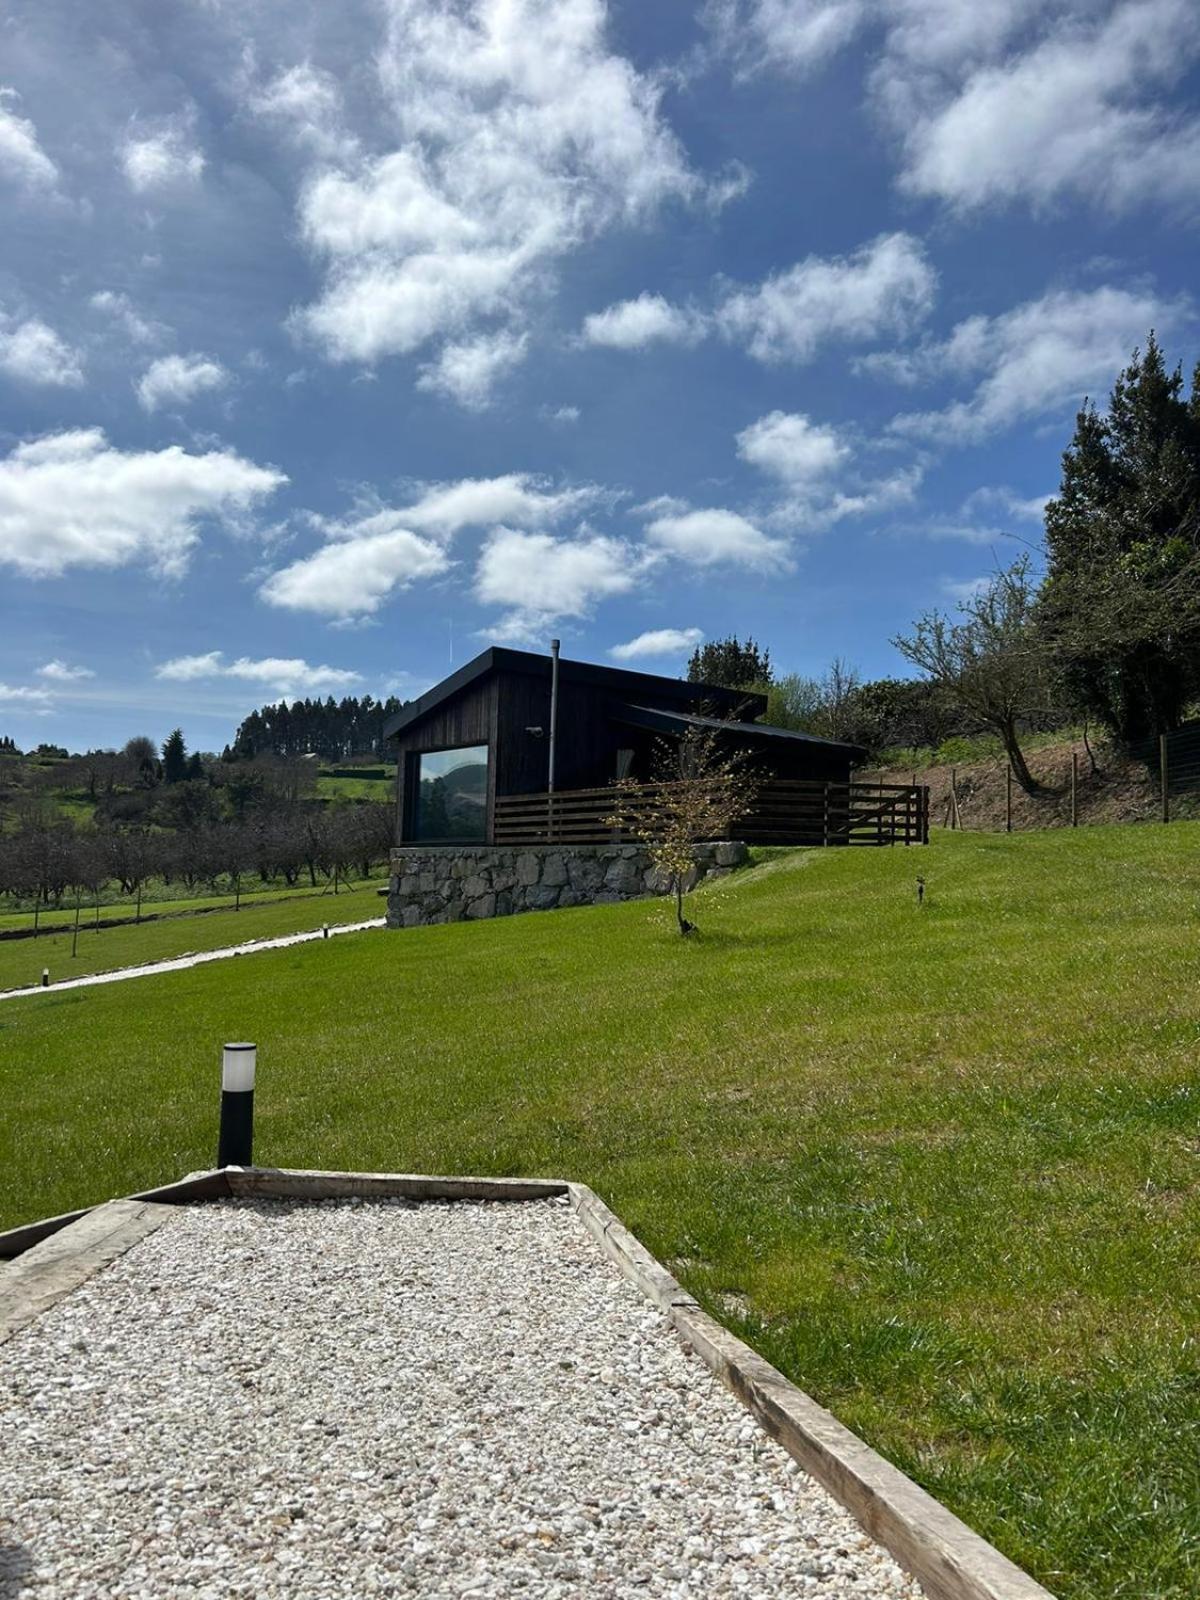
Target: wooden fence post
{"points": [[1008, 799], [1162, 776]]}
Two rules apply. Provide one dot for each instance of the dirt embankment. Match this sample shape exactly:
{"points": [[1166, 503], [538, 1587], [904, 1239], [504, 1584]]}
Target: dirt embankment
{"points": [[1118, 790]]}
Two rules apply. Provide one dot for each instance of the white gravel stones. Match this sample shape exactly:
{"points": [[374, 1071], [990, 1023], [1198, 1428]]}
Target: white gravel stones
{"points": [[371, 1398]]}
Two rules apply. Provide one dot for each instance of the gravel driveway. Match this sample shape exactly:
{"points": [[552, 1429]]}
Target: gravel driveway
{"points": [[356, 1398]]}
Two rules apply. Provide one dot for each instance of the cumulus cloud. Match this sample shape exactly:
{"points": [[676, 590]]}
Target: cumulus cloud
{"points": [[1009, 99], [61, 672], [520, 498], [142, 330], [354, 575], [1072, 111], [160, 160], [73, 500], [793, 35], [13, 694], [281, 674], [31, 352], [658, 642], [793, 448], [886, 286], [1039, 357], [174, 380], [633, 324], [22, 159], [307, 103], [543, 578], [467, 371], [522, 135], [713, 536]]}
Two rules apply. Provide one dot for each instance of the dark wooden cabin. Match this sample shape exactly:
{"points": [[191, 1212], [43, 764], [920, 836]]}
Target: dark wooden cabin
{"points": [[469, 746]]}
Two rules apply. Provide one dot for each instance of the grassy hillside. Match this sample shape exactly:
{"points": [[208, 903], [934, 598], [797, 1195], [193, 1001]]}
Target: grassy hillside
{"points": [[106, 949], [941, 1165]]}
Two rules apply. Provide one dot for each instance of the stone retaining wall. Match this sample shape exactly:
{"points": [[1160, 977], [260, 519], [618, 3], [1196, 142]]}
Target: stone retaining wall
{"points": [[447, 883]]}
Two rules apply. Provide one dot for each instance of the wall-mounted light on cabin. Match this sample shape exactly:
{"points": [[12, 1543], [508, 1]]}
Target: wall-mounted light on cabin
{"points": [[535, 733]]}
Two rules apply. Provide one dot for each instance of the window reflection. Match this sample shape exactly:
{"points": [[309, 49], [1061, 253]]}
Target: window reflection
{"points": [[452, 794]]}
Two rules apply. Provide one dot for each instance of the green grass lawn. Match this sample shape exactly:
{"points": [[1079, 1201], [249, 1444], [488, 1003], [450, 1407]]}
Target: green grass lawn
{"points": [[166, 899], [105, 949], [941, 1166]]}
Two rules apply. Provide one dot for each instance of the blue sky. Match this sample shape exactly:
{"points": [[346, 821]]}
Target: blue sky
{"points": [[339, 341]]}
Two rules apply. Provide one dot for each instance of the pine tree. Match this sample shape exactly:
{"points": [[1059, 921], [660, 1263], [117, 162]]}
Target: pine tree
{"points": [[1121, 603], [174, 758]]}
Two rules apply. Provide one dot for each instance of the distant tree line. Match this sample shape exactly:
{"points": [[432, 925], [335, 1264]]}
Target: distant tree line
{"points": [[334, 730]]}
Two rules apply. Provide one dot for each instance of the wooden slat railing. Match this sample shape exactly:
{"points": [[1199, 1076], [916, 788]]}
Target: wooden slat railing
{"points": [[784, 811]]}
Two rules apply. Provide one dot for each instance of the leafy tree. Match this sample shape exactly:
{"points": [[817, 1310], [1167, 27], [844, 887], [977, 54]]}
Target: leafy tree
{"points": [[698, 791], [141, 753], [195, 768], [1121, 602], [730, 664], [991, 663], [174, 758]]}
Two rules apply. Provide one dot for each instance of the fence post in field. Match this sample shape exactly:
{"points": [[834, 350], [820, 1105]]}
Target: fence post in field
{"points": [[825, 818], [1074, 788], [1008, 799], [1162, 776]]}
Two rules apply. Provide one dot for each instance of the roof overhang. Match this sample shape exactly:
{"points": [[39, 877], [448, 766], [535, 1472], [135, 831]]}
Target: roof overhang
{"points": [[749, 733]]}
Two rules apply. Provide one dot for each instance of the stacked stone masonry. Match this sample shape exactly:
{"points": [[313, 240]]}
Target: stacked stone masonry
{"points": [[450, 883]]}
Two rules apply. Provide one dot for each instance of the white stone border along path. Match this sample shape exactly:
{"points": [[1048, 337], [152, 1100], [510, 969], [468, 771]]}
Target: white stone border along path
{"points": [[179, 963], [343, 1383]]}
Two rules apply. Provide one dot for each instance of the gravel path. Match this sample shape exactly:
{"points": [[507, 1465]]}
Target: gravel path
{"points": [[178, 963], [350, 1399]]}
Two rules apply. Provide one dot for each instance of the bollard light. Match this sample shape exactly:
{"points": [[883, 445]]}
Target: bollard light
{"points": [[236, 1138], [325, 931], [45, 977]]}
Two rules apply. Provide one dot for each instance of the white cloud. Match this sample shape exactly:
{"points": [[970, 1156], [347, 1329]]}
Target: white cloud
{"points": [[72, 500], [307, 102], [31, 352], [161, 160], [22, 158], [60, 672], [521, 136], [544, 579], [11, 694], [793, 35], [707, 537], [142, 330], [174, 380], [658, 642], [633, 324], [792, 448], [962, 590], [281, 674], [467, 371], [444, 509], [1070, 111], [887, 285], [562, 416], [1040, 357], [356, 572]]}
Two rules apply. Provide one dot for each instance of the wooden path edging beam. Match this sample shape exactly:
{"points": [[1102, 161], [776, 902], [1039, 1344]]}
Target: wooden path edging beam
{"points": [[948, 1559], [49, 1271]]}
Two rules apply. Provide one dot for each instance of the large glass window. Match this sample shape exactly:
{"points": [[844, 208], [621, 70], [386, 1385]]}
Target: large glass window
{"points": [[452, 794]]}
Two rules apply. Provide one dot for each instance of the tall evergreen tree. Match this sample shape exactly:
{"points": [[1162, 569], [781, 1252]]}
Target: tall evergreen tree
{"points": [[174, 758], [1121, 602], [730, 664]]}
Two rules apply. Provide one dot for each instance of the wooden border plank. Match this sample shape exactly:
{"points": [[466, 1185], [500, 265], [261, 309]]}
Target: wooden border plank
{"points": [[210, 1185], [948, 1559], [290, 1183], [49, 1271]]}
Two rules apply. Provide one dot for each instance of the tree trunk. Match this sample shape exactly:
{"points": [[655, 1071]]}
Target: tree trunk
{"points": [[1016, 759]]}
